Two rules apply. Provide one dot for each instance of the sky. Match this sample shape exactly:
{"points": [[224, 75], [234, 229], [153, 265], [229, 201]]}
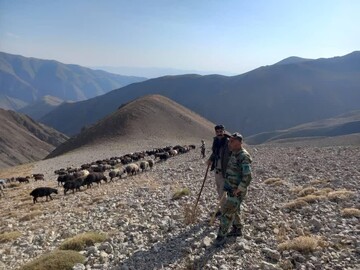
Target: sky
{"points": [[227, 36]]}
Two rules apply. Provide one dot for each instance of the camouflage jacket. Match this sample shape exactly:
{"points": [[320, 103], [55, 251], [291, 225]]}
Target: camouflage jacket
{"points": [[238, 172]]}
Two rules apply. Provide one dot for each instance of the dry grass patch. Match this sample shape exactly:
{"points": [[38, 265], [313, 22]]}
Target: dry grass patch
{"points": [[274, 181], [323, 191], [350, 212], [295, 204], [296, 189], [13, 185], [340, 195], [56, 260], [31, 216], [304, 244], [80, 241], [25, 199], [306, 191], [319, 181], [312, 198], [9, 236], [24, 169], [180, 193], [97, 199]]}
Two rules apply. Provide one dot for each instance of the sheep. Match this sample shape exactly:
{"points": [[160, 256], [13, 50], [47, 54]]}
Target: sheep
{"points": [[81, 173], [43, 191], [172, 152], [23, 179], [162, 156], [144, 165], [38, 176], [64, 178], [114, 173], [94, 177], [151, 163], [131, 169], [73, 185], [3, 182]]}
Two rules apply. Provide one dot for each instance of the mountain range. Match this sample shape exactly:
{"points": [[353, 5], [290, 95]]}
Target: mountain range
{"points": [[269, 98], [26, 80]]}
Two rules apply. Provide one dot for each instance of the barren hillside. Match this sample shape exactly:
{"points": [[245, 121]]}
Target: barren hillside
{"points": [[151, 118], [302, 212], [24, 140]]}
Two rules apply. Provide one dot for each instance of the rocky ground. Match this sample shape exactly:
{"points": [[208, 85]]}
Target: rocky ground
{"points": [[146, 228]]}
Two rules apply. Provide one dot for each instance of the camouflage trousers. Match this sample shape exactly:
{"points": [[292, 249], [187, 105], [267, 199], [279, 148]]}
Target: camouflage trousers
{"points": [[230, 215]]}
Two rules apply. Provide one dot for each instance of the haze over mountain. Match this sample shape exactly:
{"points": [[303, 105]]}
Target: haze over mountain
{"points": [[269, 98], [41, 107], [154, 72], [23, 140], [149, 118], [344, 124], [26, 80]]}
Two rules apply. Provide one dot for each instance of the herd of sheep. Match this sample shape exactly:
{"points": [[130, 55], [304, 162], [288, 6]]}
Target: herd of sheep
{"points": [[72, 179]]}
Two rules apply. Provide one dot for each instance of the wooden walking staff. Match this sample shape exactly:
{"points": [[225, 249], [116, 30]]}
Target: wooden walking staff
{"points": [[198, 198], [217, 209]]}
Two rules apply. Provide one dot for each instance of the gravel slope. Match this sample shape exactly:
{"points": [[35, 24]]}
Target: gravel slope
{"points": [[146, 228]]}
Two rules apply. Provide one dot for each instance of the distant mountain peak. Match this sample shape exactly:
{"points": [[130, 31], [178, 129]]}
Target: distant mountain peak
{"points": [[292, 60]]}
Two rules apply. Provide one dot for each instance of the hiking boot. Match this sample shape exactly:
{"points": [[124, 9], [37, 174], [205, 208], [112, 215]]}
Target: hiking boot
{"points": [[235, 232], [220, 241]]}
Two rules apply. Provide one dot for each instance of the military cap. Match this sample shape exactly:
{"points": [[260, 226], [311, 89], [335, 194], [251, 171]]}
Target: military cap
{"points": [[237, 136]]}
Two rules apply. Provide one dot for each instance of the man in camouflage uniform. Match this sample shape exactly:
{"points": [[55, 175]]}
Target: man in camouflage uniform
{"points": [[238, 177]]}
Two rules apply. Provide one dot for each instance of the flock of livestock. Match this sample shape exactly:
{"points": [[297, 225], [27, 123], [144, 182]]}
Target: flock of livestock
{"points": [[72, 179]]}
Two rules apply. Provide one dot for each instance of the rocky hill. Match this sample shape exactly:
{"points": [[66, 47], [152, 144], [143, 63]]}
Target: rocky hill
{"points": [[301, 212], [23, 140], [150, 118]]}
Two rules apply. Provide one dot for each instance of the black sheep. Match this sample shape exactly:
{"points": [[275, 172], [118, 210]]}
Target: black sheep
{"points": [[64, 178], [94, 177], [23, 179], [73, 185], [43, 191]]}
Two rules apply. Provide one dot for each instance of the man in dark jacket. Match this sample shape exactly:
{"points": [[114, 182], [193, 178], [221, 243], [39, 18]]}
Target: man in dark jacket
{"points": [[219, 159]]}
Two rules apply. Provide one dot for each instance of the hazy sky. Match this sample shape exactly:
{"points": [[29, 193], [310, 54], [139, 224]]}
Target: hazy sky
{"points": [[212, 35]]}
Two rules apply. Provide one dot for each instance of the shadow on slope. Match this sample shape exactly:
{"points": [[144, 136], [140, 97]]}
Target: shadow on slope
{"points": [[150, 118]]}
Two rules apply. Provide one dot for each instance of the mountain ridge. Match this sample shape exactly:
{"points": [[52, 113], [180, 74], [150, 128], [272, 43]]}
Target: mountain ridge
{"points": [[265, 99], [28, 79]]}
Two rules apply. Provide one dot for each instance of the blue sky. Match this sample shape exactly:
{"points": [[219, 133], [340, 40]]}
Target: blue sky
{"points": [[212, 35]]}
